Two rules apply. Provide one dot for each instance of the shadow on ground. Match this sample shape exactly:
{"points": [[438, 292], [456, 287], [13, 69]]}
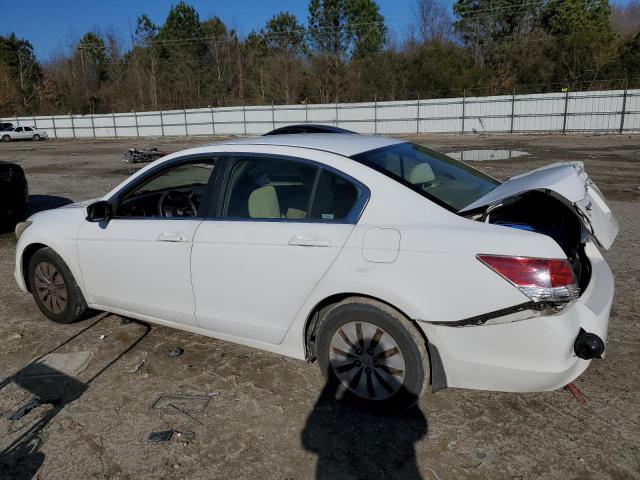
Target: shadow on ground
{"points": [[21, 458], [353, 444], [37, 203]]}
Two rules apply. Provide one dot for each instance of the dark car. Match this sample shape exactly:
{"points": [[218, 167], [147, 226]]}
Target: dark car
{"points": [[5, 125], [307, 128], [14, 191]]}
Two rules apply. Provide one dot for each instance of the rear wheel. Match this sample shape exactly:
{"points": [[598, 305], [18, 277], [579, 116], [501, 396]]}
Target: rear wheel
{"points": [[54, 289], [36, 138], [372, 354]]}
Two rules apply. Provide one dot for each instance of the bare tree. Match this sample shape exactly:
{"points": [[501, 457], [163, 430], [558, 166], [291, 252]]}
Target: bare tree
{"points": [[434, 20]]}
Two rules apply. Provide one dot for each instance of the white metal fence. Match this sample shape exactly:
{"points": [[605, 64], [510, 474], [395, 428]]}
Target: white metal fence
{"points": [[598, 111]]}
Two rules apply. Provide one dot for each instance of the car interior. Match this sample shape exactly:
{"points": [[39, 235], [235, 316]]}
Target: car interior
{"points": [[256, 188], [277, 189], [176, 192]]}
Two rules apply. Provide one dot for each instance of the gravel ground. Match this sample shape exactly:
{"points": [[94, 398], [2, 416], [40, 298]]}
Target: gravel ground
{"points": [[271, 418]]}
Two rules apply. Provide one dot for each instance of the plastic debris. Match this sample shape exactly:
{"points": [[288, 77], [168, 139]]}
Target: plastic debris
{"points": [[163, 436], [55, 364], [102, 337], [175, 352], [577, 393], [139, 365]]}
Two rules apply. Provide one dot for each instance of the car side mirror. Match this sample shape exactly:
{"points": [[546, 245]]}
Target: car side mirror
{"points": [[99, 211]]}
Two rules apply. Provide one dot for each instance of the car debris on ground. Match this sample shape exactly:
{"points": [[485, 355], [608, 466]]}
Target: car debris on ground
{"points": [[142, 155], [163, 436], [175, 352]]}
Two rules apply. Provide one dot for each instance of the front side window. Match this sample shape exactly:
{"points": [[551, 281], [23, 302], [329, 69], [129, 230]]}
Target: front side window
{"points": [[266, 188], [28, 129], [448, 182], [175, 192], [19, 129]]}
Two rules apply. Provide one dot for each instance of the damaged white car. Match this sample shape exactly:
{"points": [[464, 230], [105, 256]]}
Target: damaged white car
{"points": [[393, 265]]}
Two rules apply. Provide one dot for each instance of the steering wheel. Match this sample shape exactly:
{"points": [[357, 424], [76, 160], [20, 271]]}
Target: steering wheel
{"points": [[175, 203]]}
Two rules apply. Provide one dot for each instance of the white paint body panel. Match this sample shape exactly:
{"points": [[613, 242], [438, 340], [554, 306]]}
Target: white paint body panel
{"points": [[241, 280]]}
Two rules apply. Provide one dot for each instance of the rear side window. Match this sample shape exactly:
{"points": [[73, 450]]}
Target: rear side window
{"points": [[267, 188], [287, 190], [334, 198]]}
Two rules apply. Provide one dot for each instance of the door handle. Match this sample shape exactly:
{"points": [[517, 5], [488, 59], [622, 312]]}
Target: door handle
{"points": [[172, 237], [309, 241]]}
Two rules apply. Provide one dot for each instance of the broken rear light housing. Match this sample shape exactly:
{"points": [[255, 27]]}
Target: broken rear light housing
{"points": [[541, 279]]}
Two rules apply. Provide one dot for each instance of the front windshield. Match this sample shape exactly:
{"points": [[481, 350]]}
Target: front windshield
{"points": [[448, 182], [6, 129]]}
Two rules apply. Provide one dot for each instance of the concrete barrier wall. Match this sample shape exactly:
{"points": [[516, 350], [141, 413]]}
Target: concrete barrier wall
{"points": [[600, 111]]}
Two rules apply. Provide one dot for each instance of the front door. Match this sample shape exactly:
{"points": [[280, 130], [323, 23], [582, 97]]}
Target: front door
{"points": [[139, 261], [279, 226]]}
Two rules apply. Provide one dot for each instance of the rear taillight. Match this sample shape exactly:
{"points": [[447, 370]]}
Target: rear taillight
{"points": [[540, 279]]}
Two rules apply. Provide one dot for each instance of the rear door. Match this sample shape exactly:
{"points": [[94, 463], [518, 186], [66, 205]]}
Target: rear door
{"points": [[279, 223]]}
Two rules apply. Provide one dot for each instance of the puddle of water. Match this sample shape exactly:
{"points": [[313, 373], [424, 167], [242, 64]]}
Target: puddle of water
{"points": [[485, 155]]}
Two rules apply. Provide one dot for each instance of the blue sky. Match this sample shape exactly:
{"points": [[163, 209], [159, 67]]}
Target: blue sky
{"points": [[52, 25]]}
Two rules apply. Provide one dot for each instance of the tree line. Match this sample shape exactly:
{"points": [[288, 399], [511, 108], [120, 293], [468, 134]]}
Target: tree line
{"points": [[345, 52]]}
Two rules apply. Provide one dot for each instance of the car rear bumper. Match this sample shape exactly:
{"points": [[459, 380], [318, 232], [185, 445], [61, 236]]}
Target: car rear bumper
{"points": [[534, 354]]}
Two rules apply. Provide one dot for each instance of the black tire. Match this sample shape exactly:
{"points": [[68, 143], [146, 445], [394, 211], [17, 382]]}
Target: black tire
{"points": [[397, 331], [36, 138], [41, 265], [6, 138]]}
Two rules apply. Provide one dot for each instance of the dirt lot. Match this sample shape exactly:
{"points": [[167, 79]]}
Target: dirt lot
{"points": [[271, 418]]}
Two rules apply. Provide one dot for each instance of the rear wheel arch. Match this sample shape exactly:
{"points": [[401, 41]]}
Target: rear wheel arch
{"points": [[311, 322], [437, 374]]}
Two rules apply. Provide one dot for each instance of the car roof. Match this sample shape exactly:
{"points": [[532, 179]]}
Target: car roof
{"points": [[343, 144]]}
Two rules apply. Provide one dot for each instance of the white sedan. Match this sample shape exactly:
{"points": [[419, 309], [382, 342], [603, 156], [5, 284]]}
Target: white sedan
{"points": [[23, 133], [391, 264]]}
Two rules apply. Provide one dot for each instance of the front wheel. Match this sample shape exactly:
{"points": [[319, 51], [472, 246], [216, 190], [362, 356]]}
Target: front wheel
{"points": [[372, 354], [6, 138], [54, 289], [36, 138]]}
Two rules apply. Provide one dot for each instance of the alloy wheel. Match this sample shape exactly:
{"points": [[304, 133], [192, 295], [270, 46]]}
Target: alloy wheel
{"points": [[50, 288], [367, 360]]}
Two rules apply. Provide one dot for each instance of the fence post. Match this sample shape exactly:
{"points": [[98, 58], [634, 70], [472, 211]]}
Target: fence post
{"points": [[418, 116], [566, 108], [306, 111], [513, 108], [464, 104], [273, 117], [161, 123], [213, 122], [55, 131], [93, 126], [244, 117], [336, 112], [186, 127], [73, 127], [624, 105], [35, 122], [375, 115], [115, 129], [135, 115]]}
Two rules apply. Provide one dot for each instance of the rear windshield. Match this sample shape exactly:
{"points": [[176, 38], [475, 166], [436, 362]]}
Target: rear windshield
{"points": [[446, 181]]}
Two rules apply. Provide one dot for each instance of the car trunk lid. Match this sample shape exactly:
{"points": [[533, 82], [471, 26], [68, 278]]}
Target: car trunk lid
{"points": [[569, 182]]}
